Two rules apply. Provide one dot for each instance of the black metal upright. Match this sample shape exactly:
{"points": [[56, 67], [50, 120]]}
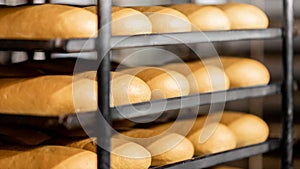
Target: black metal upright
{"points": [[287, 92], [103, 130]]}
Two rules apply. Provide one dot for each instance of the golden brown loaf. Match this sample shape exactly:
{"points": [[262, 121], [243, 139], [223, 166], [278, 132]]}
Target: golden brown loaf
{"points": [[126, 89], [129, 155], [163, 83], [47, 95], [62, 94], [46, 22], [248, 129], [213, 138], [202, 78], [204, 18], [165, 19], [124, 154], [245, 16], [47, 157], [129, 89], [127, 21], [165, 148], [243, 72]]}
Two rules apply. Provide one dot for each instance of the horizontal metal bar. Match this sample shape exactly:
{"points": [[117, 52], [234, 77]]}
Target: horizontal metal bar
{"points": [[86, 45], [194, 37], [158, 106], [223, 157]]}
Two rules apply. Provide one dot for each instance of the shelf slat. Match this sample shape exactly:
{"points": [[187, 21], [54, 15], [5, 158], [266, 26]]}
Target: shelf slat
{"points": [[223, 157], [85, 45], [157, 106], [141, 110]]}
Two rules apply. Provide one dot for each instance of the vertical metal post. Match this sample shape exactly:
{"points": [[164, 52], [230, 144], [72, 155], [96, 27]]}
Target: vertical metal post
{"points": [[103, 131], [287, 92]]}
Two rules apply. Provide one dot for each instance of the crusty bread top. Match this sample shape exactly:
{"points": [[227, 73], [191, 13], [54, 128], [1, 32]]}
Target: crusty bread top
{"points": [[45, 157], [47, 21], [127, 21]]}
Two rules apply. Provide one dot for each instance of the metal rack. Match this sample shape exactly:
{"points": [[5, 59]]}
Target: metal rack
{"points": [[287, 94], [103, 45]]}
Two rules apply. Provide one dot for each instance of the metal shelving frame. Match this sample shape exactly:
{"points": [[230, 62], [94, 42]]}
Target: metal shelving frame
{"points": [[104, 16], [287, 89], [103, 44]]}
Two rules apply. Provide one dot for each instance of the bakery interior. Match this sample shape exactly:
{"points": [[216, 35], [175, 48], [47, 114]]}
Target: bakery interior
{"points": [[49, 123]]}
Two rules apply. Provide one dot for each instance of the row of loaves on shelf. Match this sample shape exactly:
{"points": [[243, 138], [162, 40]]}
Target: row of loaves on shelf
{"points": [[60, 21], [136, 148], [52, 95]]}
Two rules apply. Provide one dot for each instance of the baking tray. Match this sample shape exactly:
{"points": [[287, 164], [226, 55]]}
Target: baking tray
{"points": [[138, 110], [223, 157], [86, 45]]}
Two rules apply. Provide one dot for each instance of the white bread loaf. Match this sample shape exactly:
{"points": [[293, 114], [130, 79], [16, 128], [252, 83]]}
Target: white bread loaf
{"points": [[163, 83], [129, 155], [243, 72], [47, 95], [127, 21], [46, 21], [245, 16], [126, 89], [213, 138], [248, 129], [202, 78], [124, 154], [204, 18], [165, 149], [47, 157], [62, 94], [165, 20]]}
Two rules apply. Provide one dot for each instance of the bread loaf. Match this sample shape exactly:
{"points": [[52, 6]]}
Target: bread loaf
{"points": [[243, 72], [127, 21], [165, 148], [124, 154], [245, 16], [204, 18], [46, 21], [46, 157], [62, 94], [47, 95], [213, 138], [126, 89], [129, 89], [129, 155], [201, 78], [163, 83], [248, 129], [165, 20]]}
